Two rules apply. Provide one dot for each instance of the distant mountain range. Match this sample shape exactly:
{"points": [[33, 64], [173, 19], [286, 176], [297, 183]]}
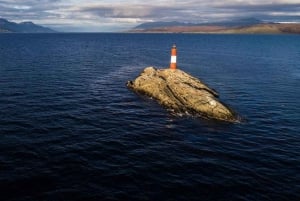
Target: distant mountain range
{"points": [[247, 25], [23, 27], [233, 23]]}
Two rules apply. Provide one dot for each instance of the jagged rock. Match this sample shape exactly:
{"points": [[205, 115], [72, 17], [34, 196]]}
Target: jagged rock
{"points": [[181, 92]]}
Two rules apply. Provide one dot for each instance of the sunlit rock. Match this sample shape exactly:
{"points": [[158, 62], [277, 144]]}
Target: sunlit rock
{"points": [[182, 93]]}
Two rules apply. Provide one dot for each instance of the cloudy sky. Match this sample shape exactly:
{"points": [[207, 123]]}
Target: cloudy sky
{"points": [[113, 15]]}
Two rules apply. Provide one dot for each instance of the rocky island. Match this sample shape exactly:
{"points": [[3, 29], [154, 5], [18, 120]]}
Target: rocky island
{"points": [[181, 92]]}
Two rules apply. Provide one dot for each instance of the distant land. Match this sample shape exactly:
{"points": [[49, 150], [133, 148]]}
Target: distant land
{"points": [[240, 26], [23, 27]]}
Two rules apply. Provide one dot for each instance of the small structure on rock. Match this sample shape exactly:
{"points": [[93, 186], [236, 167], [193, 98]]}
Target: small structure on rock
{"points": [[173, 62], [181, 92]]}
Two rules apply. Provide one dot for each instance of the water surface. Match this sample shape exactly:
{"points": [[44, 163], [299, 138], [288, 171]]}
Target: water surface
{"points": [[71, 130]]}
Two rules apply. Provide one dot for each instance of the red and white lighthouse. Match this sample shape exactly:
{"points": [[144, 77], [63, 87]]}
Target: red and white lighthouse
{"points": [[173, 64]]}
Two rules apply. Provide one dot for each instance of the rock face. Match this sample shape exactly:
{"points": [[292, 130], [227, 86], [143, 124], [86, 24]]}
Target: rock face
{"points": [[181, 92]]}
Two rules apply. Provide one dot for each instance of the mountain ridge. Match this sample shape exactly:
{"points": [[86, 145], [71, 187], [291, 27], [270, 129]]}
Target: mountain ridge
{"points": [[228, 23], [237, 26], [22, 27]]}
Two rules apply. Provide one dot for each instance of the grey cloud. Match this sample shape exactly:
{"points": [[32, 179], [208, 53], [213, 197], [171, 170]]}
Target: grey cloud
{"points": [[144, 12], [190, 11], [285, 12], [131, 11], [28, 10], [263, 7]]}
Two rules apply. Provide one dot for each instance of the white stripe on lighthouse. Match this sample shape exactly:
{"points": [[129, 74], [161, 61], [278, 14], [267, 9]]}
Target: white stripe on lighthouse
{"points": [[173, 59]]}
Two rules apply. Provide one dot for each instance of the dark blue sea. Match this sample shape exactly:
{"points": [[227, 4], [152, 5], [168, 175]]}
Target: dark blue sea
{"points": [[70, 130]]}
